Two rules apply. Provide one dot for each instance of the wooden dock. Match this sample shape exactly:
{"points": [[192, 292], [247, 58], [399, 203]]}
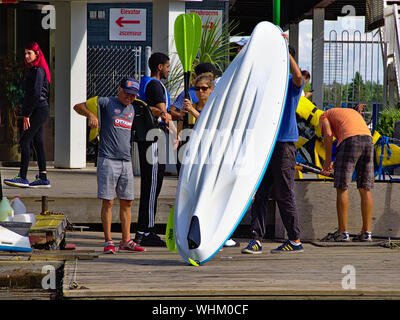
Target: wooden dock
{"points": [[321, 271]]}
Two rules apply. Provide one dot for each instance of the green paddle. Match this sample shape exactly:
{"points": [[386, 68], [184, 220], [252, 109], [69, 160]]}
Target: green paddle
{"points": [[187, 33], [169, 233]]}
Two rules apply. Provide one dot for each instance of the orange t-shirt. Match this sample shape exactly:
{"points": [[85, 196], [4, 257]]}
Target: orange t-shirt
{"points": [[345, 123]]}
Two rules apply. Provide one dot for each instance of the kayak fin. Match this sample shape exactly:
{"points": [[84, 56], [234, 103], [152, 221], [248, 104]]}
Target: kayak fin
{"points": [[194, 237]]}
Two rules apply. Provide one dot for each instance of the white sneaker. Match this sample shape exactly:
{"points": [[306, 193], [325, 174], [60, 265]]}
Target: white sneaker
{"points": [[231, 243]]}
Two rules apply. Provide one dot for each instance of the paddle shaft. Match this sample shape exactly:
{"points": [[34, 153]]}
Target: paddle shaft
{"points": [[277, 12], [186, 79], [309, 168]]}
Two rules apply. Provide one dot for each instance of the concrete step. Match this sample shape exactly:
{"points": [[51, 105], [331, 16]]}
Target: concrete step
{"points": [[74, 193]]}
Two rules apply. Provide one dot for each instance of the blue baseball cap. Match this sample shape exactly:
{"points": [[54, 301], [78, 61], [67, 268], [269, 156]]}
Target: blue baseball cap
{"points": [[130, 85]]}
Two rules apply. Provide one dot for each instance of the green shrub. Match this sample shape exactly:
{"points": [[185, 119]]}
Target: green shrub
{"points": [[387, 119]]}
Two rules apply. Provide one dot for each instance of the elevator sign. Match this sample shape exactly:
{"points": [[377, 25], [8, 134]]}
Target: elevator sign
{"points": [[127, 24]]}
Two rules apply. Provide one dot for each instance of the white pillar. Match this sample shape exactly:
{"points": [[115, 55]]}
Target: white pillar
{"points": [[164, 14], [70, 84], [317, 74]]}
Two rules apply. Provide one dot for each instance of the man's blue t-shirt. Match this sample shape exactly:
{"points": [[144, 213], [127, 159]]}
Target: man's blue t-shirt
{"points": [[178, 103], [115, 128], [288, 131]]}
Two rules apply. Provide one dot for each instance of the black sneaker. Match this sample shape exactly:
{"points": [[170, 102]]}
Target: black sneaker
{"points": [[151, 240]]}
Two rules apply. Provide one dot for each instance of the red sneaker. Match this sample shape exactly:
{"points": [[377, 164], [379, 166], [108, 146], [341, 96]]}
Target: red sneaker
{"points": [[109, 247], [130, 246]]}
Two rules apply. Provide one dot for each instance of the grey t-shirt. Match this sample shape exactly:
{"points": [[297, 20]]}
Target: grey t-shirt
{"points": [[115, 128]]}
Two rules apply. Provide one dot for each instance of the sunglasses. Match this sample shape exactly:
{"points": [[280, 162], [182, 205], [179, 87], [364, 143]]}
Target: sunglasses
{"points": [[201, 88]]}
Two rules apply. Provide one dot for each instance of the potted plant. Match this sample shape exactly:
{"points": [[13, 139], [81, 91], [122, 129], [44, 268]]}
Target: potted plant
{"points": [[11, 81]]}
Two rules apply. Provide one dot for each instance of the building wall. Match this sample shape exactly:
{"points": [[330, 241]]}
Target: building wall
{"points": [[28, 22], [98, 30]]}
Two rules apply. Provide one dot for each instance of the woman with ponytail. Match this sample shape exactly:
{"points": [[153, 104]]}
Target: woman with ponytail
{"points": [[35, 110]]}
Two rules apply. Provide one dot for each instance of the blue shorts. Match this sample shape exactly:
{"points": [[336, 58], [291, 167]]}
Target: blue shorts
{"points": [[114, 176]]}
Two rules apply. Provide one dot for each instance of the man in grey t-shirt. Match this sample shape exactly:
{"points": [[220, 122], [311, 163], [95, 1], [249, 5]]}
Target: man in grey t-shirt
{"points": [[114, 118]]}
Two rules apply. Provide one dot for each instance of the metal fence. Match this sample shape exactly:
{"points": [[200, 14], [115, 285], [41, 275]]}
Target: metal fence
{"points": [[106, 66], [353, 69]]}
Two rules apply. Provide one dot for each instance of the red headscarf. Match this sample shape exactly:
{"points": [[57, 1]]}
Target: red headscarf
{"points": [[40, 61]]}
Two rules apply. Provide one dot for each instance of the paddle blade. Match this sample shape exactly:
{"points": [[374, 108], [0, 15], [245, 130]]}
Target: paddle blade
{"points": [[183, 33], [197, 31], [169, 232], [194, 263]]}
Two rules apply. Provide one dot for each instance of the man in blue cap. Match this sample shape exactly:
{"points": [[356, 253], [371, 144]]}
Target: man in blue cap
{"points": [[114, 165]]}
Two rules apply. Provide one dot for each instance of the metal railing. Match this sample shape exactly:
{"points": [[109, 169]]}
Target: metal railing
{"points": [[353, 69]]}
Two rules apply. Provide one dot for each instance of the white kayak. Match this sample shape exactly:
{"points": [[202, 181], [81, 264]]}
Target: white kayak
{"points": [[230, 146], [12, 241]]}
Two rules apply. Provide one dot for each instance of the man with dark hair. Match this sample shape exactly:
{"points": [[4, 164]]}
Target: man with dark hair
{"points": [[114, 165], [156, 59], [155, 94]]}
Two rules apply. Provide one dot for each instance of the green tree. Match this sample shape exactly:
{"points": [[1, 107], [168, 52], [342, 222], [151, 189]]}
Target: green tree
{"points": [[356, 88]]}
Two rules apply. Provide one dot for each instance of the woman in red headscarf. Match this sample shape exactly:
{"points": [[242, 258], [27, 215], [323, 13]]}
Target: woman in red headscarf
{"points": [[35, 110]]}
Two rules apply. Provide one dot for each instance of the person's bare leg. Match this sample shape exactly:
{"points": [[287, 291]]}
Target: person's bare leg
{"points": [[342, 207], [125, 213], [367, 204], [106, 218]]}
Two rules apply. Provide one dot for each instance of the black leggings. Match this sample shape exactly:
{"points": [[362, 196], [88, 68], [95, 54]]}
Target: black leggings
{"points": [[34, 135]]}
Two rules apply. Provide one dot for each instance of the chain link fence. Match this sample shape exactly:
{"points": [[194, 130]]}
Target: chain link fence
{"points": [[106, 66]]}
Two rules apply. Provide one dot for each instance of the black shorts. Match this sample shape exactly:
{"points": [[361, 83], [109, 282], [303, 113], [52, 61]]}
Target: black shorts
{"points": [[355, 153]]}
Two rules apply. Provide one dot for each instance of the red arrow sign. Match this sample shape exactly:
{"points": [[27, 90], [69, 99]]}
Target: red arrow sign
{"points": [[121, 22]]}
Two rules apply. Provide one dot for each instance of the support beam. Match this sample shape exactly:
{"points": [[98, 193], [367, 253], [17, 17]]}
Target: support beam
{"points": [[294, 39], [164, 14], [70, 84], [317, 74]]}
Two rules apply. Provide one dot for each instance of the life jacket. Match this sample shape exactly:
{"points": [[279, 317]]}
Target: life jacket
{"points": [[92, 105], [142, 90], [144, 121]]}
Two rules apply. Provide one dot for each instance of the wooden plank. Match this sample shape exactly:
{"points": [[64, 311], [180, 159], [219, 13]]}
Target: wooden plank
{"points": [[160, 273], [63, 255], [26, 294]]}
